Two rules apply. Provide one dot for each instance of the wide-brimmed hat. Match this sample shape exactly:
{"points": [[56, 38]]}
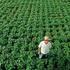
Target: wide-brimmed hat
{"points": [[46, 38]]}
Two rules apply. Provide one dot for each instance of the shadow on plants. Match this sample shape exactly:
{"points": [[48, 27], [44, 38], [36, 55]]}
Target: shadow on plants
{"points": [[53, 40], [36, 43], [2, 67], [15, 67], [66, 61], [56, 26], [57, 30], [51, 30], [68, 40]]}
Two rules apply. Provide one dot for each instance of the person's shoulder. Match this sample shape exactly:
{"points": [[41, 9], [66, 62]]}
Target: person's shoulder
{"points": [[50, 44], [40, 44]]}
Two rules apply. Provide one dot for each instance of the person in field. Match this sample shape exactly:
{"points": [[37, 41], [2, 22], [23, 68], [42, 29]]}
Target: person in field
{"points": [[44, 47]]}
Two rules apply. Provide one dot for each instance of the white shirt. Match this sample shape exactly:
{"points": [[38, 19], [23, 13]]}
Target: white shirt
{"points": [[45, 48]]}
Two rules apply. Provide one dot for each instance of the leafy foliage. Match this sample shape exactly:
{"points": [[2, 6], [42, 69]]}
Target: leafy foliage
{"points": [[24, 23]]}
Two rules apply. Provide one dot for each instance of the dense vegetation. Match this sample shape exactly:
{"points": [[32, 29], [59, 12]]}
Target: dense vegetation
{"points": [[24, 23]]}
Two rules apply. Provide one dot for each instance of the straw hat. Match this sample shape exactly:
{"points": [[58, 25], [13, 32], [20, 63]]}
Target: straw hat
{"points": [[46, 38]]}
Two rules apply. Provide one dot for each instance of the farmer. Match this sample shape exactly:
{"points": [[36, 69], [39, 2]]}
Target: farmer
{"points": [[44, 47]]}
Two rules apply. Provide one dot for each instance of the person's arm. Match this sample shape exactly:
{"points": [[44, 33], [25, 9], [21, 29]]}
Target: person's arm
{"points": [[39, 48], [50, 45]]}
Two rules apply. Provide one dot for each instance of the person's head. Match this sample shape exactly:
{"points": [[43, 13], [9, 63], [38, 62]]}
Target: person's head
{"points": [[46, 39]]}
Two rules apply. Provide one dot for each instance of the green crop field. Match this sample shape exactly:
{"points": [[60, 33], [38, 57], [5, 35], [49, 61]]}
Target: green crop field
{"points": [[24, 23]]}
